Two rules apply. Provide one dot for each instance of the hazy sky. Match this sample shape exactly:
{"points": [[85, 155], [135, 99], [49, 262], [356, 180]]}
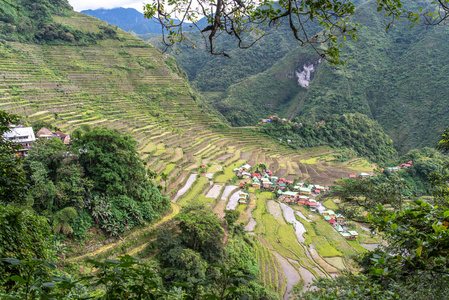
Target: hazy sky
{"points": [[79, 5]]}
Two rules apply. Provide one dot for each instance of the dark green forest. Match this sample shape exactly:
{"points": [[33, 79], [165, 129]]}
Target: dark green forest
{"points": [[390, 76], [356, 132], [32, 22]]}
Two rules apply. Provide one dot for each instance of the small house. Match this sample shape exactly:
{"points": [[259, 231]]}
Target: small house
{"points": [[274, 178], [354, 234], [246, 175], [290, 195], [363, 175], [256, 184], [339, 228], [352, 176], [312, 204], [339, 217], [243, 197], [329, 213], [305, 191], [281, 186], [273, 187], [44, 133], [346, 235], [21, 135], [246, 168]]}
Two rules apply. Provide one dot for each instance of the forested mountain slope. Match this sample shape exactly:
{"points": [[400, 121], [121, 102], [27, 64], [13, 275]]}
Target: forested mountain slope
{"points": [[127, 19], [107, 77], [398, 77]]}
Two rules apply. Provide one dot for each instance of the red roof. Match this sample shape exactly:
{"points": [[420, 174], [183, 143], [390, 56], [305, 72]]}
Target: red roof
{"points": [[255, 175], [352, 176], [270, 173], [410, 162], [311, 203], [242, 184], [332, 221], [60, 134]]}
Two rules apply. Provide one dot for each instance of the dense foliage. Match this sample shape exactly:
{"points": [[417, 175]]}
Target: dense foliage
{"points": [[32, 21], [355, 131], [24, 236], [13, 184], [414, 263], [390, 79], [99, 173]]}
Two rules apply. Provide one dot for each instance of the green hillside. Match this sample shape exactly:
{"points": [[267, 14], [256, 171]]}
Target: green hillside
{"points": [[126, 84], [363, 136], [392, 78]]}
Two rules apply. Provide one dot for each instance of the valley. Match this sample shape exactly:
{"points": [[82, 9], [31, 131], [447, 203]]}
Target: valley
{"points": [[133, 87], [204, 214]]}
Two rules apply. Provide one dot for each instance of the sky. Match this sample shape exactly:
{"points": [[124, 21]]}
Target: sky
{"points": [[79, 5]]}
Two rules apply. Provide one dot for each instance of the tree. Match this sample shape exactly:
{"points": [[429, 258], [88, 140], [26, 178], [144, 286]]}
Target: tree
{"points": [[62, 220], [413, 264], [24, 236], [246, 20], [13, 184], [56, 176], [231, 216], [164, 178], [201, 231]]}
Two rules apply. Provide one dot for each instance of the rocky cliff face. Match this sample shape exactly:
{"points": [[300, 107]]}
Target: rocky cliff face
{"points": [[305, 73]]}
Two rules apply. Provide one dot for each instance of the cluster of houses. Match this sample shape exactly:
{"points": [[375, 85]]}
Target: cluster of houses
{"points": [[402, 166], [339, 224], [391, 169], [300, 194], [25, 137]]}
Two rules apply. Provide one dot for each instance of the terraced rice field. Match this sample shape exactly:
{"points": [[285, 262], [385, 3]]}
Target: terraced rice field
{"points": [[140, 93]]}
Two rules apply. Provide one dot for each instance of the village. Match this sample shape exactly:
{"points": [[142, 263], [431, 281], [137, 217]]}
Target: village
{"points": [[25, 137], [292, 192]]}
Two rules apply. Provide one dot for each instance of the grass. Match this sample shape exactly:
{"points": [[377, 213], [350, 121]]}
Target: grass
{"points": [[310, 161], [329, 204], [194, 191], [279, 235], [336, 262], [228, 173], [355, 244]]}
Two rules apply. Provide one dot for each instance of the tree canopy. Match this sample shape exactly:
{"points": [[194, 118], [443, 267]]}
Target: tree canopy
{"points": [[246, 20]]}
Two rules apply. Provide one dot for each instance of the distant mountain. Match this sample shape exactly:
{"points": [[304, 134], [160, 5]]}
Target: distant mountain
{"points": [[127, 19], [398, 77]]}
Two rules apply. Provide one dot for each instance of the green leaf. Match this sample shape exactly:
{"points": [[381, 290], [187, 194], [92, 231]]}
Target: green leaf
{"points": [[419, 251], [18, 279], [48, 285], [446, 214], [394, 226]]}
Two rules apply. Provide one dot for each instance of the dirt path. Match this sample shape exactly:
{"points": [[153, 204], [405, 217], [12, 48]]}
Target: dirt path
{"points": [[174, 212]]}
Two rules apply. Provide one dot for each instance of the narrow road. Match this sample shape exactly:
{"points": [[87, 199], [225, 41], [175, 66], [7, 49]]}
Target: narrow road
{"points": [[174, 212]]}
